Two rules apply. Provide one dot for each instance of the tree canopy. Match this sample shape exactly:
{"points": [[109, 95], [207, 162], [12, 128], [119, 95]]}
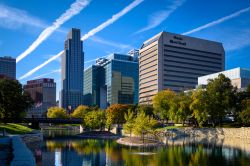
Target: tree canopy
{"points": [[14, 102], [80, 111], [162, 102], [115, 114], [95, 119], [57, 112]]}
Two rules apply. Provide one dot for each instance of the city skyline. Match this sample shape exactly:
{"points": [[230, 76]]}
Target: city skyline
{"points": [[226, 23]]}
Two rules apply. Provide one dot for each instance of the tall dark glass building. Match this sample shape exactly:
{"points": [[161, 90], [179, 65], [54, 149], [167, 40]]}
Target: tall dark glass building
{"points": [[112, 80], [71, 95], [8, 67]]}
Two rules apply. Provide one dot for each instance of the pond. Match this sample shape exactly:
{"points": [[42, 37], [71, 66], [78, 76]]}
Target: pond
{"points": [[60, 149]]}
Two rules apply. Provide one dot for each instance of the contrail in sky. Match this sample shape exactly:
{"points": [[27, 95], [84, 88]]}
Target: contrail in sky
{"points": [[74, 9], [41, 65], [87, 35], [59, 70], [51, 72], [112, 19], [213, 23]]}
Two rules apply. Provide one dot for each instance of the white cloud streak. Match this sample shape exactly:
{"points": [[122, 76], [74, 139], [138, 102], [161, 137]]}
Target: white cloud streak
{"points": [[41, 66], [45, 74], [158, 17], [109, 43], [223, 19], [112, 19], [89, 34], [74, 9], [13, 18]]}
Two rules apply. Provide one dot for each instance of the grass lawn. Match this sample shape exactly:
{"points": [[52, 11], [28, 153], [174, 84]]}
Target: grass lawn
{"points": [[13, 128]]}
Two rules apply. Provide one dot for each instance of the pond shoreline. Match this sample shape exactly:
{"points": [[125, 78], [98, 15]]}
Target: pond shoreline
{"points": [[128, 142], [98, 135]]}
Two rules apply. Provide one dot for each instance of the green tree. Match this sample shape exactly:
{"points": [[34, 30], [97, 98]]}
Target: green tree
{"points": [[198, 106], [14, 102], [143, 124], [245, 113], [80, 111], [115, 114], [95, 120], [183, 111], [220, 97], [147, 109], [129, 125], [162, 103], [57, 112]]}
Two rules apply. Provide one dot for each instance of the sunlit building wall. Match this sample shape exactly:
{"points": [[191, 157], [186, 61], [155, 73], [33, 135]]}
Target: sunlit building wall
{"points": [[173, 61], [240, 77]]}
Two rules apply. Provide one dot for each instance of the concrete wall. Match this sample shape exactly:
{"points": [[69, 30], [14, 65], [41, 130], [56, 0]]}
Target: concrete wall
{"points": [[243, 132]]}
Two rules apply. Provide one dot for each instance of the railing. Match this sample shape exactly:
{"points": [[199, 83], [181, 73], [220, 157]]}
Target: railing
{"points": [[43, 120]]}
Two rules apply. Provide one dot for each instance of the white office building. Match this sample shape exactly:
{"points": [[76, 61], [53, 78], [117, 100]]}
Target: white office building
{"points": [[240, 77]]}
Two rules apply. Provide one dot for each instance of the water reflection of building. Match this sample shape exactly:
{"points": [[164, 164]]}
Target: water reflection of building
{"points": [[69, 157], [112, 80], [48, 158]]}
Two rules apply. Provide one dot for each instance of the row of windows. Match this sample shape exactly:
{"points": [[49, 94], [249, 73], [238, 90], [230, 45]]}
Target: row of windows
{"points": [[141, 70], [184, 72], [141, 65], [147, 81], [174, 85], [150, 42], [188, 63], [148, 86], [153, 90], [218, 55], [193, 59], [148, 76], [153, 70], [182, 67], [144, 57], [150, 48], [187, 77], [188, 82], [193, 54]]}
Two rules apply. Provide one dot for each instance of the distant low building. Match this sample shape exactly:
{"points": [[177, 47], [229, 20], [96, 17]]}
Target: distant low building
{"points": [[112, 80], [8, 67], [240, 77], [43, 92]]}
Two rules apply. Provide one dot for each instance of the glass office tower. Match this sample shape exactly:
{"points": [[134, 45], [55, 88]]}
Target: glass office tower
{"points": [[71, 95], [112, 80]]}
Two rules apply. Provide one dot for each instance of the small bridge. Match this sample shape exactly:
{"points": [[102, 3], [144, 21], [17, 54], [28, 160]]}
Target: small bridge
{"points": [[36, 121]]}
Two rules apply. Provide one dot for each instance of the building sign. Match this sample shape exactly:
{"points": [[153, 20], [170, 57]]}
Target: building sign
{"points": [[178, 40]]}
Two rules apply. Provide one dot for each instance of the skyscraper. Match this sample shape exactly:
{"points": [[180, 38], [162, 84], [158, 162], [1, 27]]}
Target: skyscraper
{"points": [[8, 67], [172, 61], [43, 92], [112, 80], [71, 95]]}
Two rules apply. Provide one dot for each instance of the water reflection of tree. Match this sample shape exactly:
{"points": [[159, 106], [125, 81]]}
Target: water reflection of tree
{"points": [[88, 146], [55, 145], [115, 154]]}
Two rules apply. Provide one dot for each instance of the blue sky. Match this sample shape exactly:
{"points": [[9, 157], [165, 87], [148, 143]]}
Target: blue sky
{"points": [[21, 22]]}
